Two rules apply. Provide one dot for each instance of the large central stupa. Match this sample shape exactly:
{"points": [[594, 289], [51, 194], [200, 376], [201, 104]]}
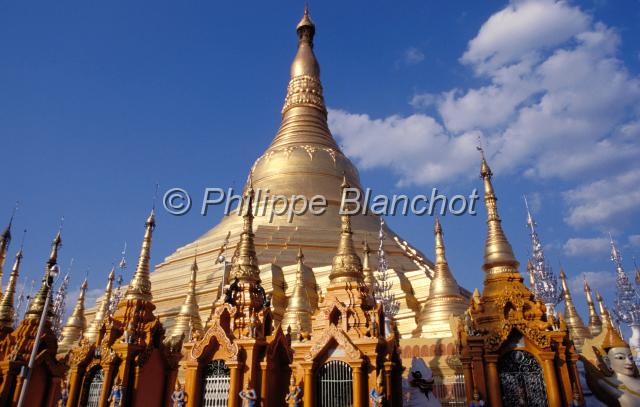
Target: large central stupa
{"points": [[302, 159]]}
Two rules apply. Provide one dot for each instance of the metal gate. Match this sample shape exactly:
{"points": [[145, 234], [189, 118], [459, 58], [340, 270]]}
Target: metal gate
{"points": [[450, 390], [92, 398], [521, 380], [334, 384], [216, 384]]}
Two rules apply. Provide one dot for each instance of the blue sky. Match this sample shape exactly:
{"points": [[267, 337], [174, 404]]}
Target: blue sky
{"points": [[101, 101]]}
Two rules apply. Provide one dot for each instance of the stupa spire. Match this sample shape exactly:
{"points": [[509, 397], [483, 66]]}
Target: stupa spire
{"points": [[5, 239], [304, 114], [444, 297], [369, 278], [188, 321], [498, 254], [604, 312], [299, 310], [577, 330], [7, 311], [346, 266], [91, 333], [443, 282], [140, 285], [245, 264], [76, 323], [37, 305], [595, 323]]}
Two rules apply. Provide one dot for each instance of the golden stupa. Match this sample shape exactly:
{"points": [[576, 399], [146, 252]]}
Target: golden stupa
{"points": [[304, 159]]}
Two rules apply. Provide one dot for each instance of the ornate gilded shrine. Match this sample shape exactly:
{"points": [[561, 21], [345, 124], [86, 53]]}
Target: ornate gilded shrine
{"points": [[348, 339], [239, 346], [512, 353], [128, 360], [16, 346]]}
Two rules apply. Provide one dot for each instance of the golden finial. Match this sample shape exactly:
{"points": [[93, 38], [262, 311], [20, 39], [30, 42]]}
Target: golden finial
{"points": [[369, 278], [37, 305], [245, 263], [443, 282], [140, 285], [6, 303], [532, 279], [91, 333], [76, 323], [299, 310], [306, 24], [188, 318], [498, 254], [5, 239], [346, 264], [444, 297], [577, 330], [595, 323], [604, 312]]}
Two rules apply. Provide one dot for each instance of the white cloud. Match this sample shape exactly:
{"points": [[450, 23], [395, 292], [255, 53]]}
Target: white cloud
{"points": [[413, 56], [415, 147], [634, 240], [523, 27], [557, 103], [592, 247], [606, 201], [603, 281]]}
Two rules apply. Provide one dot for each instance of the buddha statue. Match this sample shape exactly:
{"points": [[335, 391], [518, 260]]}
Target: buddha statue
{"points": [[615, 380]]}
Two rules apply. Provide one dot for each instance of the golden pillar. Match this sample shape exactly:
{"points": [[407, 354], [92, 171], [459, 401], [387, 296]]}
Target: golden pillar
{"points": [[192, 384], [308, 395], [477, 367], [467, 371], [74, 386], [493, 381], [264, 385], [357, 386], [234, 384], [551, 379], [388, 391]]}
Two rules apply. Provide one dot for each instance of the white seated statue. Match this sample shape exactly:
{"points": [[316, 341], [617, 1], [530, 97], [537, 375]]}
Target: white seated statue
{"points": [[417, 387], [615, 380]]}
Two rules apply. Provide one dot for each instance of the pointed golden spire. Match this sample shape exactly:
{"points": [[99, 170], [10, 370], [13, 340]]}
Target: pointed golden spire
{"points": [[532, 279], [304, 114], [604, 312], [91, 333], [498, 254], [443, 282], [444, 297], [245, 263], [299, 310], [5, 239], [346, 266], [577, 330], [76, 323], [7, 310], [140, 285], [369, 278], [595, 323], [37, 305], [188, 321]]}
